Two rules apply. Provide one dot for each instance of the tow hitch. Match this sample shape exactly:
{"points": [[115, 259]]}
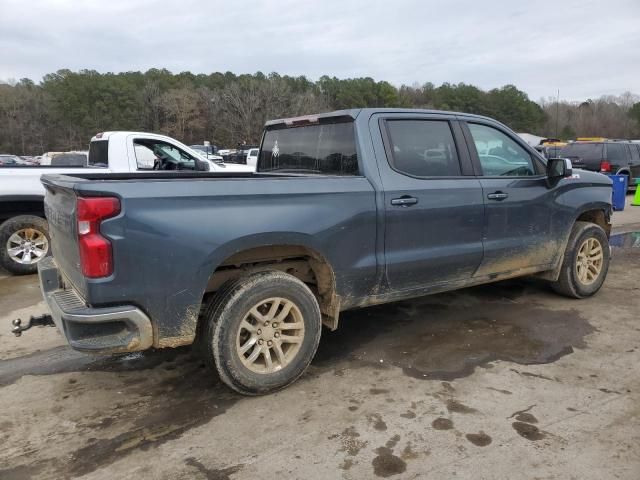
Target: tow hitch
{"points": [[39, 321]]}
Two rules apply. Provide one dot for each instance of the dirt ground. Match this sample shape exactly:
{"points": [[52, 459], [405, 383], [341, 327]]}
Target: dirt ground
{"points": [[506, 381]]}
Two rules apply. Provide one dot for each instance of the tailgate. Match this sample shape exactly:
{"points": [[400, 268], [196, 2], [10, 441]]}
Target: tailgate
{"points": [[60, 210]]}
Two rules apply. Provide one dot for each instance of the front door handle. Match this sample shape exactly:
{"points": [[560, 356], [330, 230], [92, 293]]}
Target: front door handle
{"points": [[497, 196], [404, 201]]}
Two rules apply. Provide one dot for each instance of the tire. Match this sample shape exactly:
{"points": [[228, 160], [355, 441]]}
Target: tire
{"points": [[571, 283], [226, 331], [24, 228]]}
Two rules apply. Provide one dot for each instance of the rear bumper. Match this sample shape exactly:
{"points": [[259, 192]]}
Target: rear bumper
{"points": [[116, 329]]}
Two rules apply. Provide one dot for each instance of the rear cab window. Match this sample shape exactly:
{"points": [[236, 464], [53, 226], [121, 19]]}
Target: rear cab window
{"points": [[99, 153], [327, 148]]}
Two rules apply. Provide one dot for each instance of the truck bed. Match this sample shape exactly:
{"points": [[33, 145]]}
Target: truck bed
{"points": [[198, 220]]}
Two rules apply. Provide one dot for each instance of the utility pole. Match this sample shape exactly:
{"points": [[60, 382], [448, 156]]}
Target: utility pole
{"points": [[557, 112]]}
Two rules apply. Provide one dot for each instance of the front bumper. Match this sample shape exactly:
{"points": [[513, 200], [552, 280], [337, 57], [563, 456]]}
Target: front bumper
{"points": [[116, 329]]}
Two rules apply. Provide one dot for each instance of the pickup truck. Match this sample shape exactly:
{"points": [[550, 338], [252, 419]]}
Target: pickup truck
{"points": [[347, 209], [24, 234]]}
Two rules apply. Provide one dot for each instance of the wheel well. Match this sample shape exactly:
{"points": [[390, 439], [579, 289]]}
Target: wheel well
{"points": [[598, 217], [299, 261], [12, 209]]}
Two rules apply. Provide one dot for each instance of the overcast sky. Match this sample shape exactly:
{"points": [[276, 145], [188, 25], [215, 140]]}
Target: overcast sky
{"points": [[584, 48]]}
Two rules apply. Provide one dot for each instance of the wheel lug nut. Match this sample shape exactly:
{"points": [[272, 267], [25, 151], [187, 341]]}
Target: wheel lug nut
{"points": [[259, 332], [269, 343], [277, 334], [260, 342], [266, 324], [275, 325]]}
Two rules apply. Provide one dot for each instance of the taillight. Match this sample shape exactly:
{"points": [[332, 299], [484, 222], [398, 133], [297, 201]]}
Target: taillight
{"points": [[605, 166], [96, 258]]}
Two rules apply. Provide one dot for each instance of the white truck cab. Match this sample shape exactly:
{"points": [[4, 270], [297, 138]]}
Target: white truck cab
{"points": [[135, 151]]}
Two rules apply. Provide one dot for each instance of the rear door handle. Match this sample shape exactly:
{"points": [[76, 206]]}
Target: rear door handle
{"points": [[497, 196], [404, 201]]}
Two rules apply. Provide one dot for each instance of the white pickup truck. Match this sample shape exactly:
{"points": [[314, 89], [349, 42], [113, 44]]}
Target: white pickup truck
{"points": [[24, 233]]}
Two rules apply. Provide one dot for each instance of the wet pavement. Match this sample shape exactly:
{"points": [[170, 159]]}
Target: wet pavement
{"points": [[500, 381]]}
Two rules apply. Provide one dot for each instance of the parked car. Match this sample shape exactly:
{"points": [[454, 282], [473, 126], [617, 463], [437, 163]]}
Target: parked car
{"points": [[12, 160], [606, 156], [208, 151], [347, 209], [550, 148], [24, 234]]}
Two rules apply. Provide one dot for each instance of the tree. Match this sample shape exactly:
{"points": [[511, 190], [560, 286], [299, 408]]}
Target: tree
{"points": [[67, 108]]}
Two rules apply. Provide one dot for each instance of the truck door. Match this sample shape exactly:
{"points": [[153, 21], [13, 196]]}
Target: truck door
{"points": [[433, 207], [518, 203]]}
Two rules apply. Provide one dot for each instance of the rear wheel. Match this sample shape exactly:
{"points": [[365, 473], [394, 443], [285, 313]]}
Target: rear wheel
{"points": [[586, 262], [24, 241], [262, 331]]}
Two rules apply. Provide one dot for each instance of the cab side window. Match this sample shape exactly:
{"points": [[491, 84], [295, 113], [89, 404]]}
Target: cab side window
{"points": [[159, 155], [423, 148], [499, 155]]}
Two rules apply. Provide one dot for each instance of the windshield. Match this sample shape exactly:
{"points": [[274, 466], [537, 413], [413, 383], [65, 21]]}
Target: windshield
{"points": [[325, 148]]}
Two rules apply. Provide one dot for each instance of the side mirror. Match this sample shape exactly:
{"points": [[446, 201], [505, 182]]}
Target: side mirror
{"points": [[558, 168], [201, 166]]}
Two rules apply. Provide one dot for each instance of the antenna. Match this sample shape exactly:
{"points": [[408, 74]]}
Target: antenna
{"points": [[557, 112]]}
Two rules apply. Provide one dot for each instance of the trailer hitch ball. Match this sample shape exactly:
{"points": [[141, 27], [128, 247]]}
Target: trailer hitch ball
{"points": [[17, 330], [39, 321]]}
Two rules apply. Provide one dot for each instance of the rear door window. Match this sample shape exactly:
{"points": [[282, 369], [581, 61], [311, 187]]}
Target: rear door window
{"points": [[423, 148], [635, 152], [327, 148], [500, 155]]}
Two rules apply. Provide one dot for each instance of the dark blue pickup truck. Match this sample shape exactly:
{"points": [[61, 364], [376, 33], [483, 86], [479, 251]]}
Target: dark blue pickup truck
{"points": [[347, 209]]}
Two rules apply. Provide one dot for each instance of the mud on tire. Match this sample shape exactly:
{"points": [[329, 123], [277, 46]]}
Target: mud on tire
{"points": [[585, 263], [268, 310]]}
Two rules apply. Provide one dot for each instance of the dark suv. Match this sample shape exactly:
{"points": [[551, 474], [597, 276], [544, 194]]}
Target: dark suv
{"points": [[619, 157]]}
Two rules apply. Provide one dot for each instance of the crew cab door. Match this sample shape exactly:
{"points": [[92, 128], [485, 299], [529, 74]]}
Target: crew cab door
{"points": [[433, 207], [519, 208]]}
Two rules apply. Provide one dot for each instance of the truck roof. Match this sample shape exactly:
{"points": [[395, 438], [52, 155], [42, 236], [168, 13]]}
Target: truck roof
{"points": [[354, 112], [107, 135]]}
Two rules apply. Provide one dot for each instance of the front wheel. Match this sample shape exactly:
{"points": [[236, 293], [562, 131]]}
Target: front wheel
{"points": [[24, 241], [262, 331], [586, 262]]}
